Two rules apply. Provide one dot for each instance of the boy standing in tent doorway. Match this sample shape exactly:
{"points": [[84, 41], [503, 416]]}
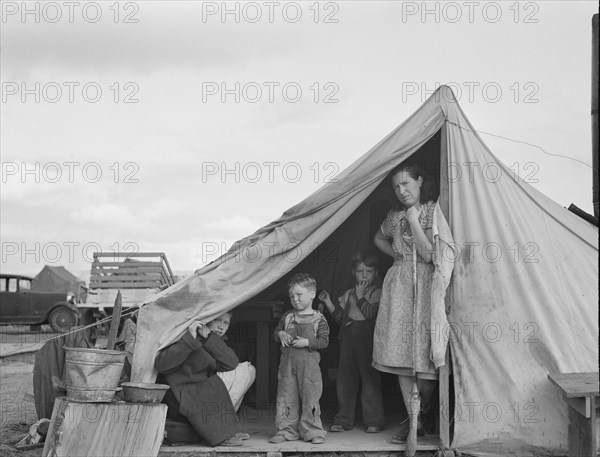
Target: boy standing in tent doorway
{"points": [[356, 313], [302, 332]]}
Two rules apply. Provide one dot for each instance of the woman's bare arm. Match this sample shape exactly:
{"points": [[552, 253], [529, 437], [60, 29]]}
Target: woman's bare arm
{"points": [[384, 244]]}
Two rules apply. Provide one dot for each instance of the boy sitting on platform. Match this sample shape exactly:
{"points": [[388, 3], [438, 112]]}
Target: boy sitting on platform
{"points": [[207, 382]]}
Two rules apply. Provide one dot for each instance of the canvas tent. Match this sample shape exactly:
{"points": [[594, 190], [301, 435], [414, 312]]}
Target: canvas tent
{"points": [[59, 279], [522, 301]]}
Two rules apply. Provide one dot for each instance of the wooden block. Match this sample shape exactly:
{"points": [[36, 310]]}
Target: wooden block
{"points": [[102, 429]]}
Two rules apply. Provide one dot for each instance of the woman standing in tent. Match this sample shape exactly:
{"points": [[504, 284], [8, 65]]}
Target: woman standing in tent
{"points": [[401, 342]]}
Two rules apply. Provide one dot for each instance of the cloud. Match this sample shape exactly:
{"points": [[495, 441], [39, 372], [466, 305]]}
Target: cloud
{"points": [[234, 224], [163, 37], [107, 214]]}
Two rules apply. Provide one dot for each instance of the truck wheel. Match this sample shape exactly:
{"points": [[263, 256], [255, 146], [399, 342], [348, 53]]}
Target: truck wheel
{"points": [[62, 320]]}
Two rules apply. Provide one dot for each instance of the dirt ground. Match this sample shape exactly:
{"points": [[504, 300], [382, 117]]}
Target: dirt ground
{"points": [[17, 410], [16, 413]]}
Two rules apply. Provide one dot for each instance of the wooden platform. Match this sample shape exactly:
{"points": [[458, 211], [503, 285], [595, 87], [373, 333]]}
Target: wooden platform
{"points": [[582, 394], [260, 425]]}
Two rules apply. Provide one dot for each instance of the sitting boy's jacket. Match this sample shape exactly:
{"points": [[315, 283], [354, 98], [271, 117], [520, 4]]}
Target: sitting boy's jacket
{"points": [[367, 306], [197, 395]]}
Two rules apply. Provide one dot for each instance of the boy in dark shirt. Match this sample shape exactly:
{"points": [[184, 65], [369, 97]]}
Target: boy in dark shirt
{"points": [[356, 313]]}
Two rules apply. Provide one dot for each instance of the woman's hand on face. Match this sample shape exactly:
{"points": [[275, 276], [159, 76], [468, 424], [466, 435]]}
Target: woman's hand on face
{"points": [[412, 214]]}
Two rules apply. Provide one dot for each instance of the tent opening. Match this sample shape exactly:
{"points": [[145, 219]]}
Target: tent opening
{"points": [[331, 265]]}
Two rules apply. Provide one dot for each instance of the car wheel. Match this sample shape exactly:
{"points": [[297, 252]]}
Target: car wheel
{"points": [[62, 320]]}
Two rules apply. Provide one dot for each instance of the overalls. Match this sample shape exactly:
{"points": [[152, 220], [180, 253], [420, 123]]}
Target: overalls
{"points": [[300, 384]]}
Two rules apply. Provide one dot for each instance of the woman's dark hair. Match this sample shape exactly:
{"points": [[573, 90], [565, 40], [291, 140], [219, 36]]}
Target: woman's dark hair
{"points": [[414, 171]]}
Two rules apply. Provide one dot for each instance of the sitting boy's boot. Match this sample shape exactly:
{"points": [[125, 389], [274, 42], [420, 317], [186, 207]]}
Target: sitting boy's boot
{"points": [[336, 428], [318, 440]]}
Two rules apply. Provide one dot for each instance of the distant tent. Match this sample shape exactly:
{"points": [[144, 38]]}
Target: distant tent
{"points": [[523, 301], [59, 279]]}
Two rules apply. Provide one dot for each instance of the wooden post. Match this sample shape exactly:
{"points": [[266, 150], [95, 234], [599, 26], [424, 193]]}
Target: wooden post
{"points": [[114, 323], [444, 372]]}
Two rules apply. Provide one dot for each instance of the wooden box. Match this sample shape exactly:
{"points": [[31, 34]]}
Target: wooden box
{"points": [[102, 429]]}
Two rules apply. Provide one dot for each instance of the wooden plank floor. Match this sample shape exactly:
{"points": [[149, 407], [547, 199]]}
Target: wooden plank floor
{"points": [[260, 426]]}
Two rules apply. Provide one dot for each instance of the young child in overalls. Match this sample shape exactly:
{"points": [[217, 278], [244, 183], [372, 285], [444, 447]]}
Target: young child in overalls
{"points": [[356, 313], [302, 332]]}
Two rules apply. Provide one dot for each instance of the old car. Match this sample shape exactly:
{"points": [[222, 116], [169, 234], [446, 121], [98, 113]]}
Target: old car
{"points": [[19, 305]]}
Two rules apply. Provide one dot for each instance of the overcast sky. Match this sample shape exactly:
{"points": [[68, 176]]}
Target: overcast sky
{"points": [[120, 122]]}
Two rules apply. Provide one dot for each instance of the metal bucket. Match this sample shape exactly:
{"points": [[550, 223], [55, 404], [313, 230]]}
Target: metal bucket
{"points": [[92, 375]]}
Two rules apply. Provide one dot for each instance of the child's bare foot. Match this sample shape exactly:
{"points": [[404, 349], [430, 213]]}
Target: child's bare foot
{"points": [[318, 440]]}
